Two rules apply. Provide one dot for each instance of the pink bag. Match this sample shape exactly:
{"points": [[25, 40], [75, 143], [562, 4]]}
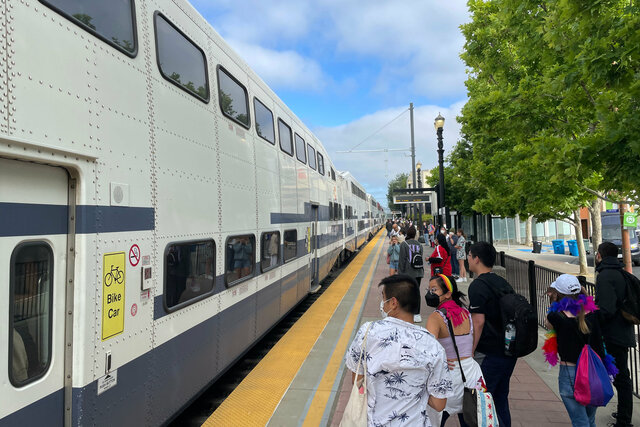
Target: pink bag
{"points": [[593, 385]]}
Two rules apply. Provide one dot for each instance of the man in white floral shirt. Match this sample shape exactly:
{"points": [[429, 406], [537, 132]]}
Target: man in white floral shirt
{"points": [[406, 366]]}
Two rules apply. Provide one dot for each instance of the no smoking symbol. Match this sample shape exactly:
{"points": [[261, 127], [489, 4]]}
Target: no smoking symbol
{"points": [[134, 255]]}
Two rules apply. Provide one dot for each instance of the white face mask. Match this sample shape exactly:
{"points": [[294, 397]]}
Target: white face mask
{"points": [[383, 313]]}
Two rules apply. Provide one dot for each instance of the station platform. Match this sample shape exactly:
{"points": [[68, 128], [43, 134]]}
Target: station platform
{"points": [[302, 381]]}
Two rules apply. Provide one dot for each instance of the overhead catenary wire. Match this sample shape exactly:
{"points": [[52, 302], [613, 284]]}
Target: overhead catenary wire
{"points": [[377, 131]]}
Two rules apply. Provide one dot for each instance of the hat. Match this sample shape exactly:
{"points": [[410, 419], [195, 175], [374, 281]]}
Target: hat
{"points": [[567, 284]]}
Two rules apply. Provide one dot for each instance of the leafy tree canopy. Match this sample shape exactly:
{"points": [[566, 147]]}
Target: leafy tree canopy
{"points": [[554, 102], [400, 181]]}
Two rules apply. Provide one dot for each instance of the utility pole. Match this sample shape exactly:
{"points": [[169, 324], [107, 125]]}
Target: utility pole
{"points": [[441, 204], [413, 152]]}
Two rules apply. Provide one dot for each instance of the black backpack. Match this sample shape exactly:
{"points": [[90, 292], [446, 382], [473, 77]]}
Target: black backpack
{"points": [[415, 256], [630, 305], [516, 312]]}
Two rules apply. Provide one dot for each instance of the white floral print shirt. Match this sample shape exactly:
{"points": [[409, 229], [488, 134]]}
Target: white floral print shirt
{"points": [[405, 364]]}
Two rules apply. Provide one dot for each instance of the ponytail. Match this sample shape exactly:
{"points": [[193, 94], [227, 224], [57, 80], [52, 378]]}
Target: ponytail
{"points": [[582, 323]]}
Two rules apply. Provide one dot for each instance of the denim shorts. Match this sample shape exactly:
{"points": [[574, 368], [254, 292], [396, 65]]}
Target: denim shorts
{"points": [[394, 265]]}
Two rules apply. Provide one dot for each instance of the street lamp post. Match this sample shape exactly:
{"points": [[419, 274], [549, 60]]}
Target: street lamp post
{"points": [[419, 167], [439, 124]]}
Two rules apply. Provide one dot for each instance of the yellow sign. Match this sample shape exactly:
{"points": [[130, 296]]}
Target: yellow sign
{"points": [[113, 284]]}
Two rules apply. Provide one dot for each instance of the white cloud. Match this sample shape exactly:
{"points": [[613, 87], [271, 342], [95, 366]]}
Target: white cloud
{"points": [[258, 21], [414, 41], [374, 170], [282, 69]]}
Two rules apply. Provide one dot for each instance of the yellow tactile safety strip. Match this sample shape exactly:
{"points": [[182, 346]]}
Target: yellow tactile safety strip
{"points": [[255, 399], [319, 402]]}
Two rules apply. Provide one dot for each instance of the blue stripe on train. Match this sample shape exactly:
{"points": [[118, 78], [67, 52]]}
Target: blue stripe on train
{"points": [[27, 219]]}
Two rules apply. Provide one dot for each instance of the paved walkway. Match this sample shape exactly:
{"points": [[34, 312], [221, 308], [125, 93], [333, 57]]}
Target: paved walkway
{"points": [[534, 399]]}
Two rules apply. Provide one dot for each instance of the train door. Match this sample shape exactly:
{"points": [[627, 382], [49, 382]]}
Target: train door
{"points": [[315, 261], [34, 223]]}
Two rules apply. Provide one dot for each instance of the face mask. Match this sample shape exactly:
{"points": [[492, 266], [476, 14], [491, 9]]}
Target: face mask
{"points": [[443, 231], [433, 300], [382, 312]]}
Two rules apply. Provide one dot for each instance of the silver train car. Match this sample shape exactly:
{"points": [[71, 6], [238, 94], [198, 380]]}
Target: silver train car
{"points": [[160, 210]]}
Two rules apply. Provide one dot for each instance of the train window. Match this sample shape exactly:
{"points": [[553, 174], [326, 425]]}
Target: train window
{"points": [[180, 61], [290, 244], [333, 174], [331, 218], [336, 213], [269, 250], [189, 272], [339, 211], [234, 101], [264, 122], [301, 153], [240, 256], [320, 164], [284, 131], [113, 22], [312, 156], [30, 312]]}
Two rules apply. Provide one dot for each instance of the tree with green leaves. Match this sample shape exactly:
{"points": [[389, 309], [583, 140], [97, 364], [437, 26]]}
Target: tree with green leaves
{"points": [[552, 118], [400, 181]]}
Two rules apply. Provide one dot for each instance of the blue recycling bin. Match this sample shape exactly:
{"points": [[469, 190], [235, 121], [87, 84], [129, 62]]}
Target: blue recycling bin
{"points": [[558, 246], [573, 247]]}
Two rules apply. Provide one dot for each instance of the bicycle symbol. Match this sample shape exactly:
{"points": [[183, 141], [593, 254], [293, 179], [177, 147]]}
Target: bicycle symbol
{"points": [[114, 275]]}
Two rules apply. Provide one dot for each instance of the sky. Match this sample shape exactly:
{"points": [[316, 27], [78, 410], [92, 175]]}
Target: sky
{"points": [[347, 68]]}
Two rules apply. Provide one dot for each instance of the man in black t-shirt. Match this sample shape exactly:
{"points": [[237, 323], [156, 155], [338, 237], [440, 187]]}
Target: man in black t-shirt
{"points": [[488, 333]]}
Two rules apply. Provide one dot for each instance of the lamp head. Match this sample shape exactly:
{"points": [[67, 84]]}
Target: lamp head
{"points": [[439, 122], [419, 165]]}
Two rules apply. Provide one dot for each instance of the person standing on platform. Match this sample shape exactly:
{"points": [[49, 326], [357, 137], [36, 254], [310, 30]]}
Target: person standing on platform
{"points": [[452, 241], [406, 367], [402, 235], [572, 318], [389, 227], [393, 252], [443, 294], [431, 230], [461, 254], [488, 333], [395, 230], [440, 257], [410, 263], [618, 334]]}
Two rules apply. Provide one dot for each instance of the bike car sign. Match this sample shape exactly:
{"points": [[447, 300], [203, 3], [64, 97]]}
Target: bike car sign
{"points": [[113, 285]]}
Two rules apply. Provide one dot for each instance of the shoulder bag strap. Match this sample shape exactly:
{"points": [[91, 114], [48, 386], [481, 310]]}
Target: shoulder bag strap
{"points": [[455, 346]]}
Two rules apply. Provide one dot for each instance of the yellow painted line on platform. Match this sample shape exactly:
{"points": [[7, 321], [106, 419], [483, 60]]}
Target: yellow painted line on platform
{"points": [[255, 399], [323, 392]]}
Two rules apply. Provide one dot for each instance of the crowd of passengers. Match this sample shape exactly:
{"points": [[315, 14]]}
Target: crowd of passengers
{"points": [[417, 375]]}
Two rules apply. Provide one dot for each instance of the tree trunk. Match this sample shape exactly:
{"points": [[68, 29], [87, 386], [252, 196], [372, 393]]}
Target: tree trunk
{"points": [[582, 255], [595, 210], [529, 233]]}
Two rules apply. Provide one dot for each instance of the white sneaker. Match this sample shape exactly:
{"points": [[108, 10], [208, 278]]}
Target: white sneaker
{"points": [[417, 318]]}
